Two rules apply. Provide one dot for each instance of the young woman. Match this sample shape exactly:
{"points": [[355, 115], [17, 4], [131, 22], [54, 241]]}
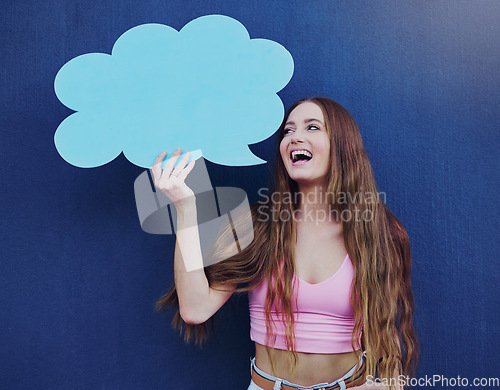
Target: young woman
{"points": [[328, 270]]}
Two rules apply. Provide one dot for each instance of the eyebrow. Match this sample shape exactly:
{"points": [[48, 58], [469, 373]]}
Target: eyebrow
{"points": [[305, 121]]}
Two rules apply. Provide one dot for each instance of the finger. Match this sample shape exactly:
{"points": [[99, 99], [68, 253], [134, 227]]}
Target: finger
{"points": [[182, 164], [167, 169], [186, 170], [156, 168]]}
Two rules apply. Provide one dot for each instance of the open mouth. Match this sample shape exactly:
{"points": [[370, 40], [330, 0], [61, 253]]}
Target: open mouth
{"points": [[300, 157]]}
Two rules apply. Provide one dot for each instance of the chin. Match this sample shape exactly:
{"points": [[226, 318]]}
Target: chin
{"points": [[301, 180]]}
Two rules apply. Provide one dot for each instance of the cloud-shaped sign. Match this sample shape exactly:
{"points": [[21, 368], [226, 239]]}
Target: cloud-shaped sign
{"points": [[208, 86]]}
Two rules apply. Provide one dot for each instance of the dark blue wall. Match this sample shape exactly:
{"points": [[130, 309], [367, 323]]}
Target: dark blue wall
{"points": [[78, 276]]}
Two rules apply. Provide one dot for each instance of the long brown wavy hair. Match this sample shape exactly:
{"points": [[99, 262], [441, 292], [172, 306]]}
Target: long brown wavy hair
{"points": [[377, 244]]}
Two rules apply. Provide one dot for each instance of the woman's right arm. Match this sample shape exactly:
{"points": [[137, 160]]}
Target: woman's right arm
{"points": [[197, 300]]}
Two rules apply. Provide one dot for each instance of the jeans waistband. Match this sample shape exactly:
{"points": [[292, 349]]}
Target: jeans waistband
{"points": [[340, 381]]}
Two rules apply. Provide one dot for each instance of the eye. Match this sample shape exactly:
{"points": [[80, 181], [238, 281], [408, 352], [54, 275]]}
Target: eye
{"points": [[287, 131], [313, 127]]}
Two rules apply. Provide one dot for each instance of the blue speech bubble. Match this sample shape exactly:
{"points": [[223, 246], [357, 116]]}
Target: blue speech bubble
{"points": [[208, 86]]}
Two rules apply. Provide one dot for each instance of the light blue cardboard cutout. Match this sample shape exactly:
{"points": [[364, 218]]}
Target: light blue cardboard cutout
{"points": [[208, 86]]}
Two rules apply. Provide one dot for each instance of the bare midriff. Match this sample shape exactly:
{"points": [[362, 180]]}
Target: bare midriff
{"points": [[311, 368]]}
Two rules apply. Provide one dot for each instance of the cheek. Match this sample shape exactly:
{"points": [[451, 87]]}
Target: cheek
{"points": [[283, 151], [326, 150], [326, 145]]}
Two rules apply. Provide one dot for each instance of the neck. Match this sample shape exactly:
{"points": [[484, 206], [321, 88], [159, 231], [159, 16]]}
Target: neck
{"points": [[314, 206]]}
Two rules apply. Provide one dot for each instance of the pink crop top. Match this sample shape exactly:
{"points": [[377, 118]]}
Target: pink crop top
{"points": [[324, 319]]}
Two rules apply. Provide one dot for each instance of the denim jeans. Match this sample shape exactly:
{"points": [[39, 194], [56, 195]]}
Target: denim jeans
{"points": [[278, 381]]}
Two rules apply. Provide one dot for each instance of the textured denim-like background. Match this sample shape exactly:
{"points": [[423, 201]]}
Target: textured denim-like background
{"points": [[78, 276]]}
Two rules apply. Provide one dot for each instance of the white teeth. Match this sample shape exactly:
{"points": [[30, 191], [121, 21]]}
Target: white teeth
{"points": [[304, 152]]}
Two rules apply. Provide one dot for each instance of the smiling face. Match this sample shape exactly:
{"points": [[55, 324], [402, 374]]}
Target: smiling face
{"points": [[305, 147]]}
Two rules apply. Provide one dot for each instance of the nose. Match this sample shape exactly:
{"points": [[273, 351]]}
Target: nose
{"points": [[297, 136]]}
